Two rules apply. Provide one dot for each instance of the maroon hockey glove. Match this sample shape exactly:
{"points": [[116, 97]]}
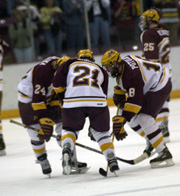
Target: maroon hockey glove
{"points": [[54, 111], [119, 96], [46, 130], [118, 127]]}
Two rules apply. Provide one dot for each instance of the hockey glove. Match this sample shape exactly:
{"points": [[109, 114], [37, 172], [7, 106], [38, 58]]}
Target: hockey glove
{"points": [[119, 96], [46, 130], [54, 111], [118, 127]]}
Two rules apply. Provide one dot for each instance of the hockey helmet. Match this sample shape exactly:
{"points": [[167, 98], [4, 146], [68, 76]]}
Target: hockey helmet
{"points": [[107, 60], [62, 60], [109, 57], [57, 63], [86, 54], [149, 16]]}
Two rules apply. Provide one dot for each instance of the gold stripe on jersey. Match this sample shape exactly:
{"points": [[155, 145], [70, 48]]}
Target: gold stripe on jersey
{"points": [[80, 100], [157, 142], [39, 151], [129, 107], [59, 89], [107, 146], [144, 78], [154, 61], [162, 42], [164, 74], [68, 136], [38, 106], [24, 96]]}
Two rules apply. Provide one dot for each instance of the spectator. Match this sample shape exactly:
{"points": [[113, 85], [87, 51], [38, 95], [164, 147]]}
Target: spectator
{"points": [[123, 14], [35, 19], [4, 50], [52, 18], [136, 19], [3, 9], [98, 12], [74, 11], [170, 17], [19, 32]]}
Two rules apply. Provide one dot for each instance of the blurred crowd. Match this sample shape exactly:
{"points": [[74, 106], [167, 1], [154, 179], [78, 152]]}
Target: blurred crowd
{"points": [[36, 29]]}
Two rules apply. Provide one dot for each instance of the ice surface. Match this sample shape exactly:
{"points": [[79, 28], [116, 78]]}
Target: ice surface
{"points": [[20, 176]]}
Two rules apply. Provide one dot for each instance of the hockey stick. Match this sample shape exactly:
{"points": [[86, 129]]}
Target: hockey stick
{"points": [[78, 170], [131, 162], [101, 170]]}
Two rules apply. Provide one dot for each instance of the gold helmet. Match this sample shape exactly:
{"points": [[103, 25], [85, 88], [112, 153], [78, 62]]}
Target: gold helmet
{"points": [[149, 16], [85, 54], [107, 60], [57, 63], [62, 60], [109, 57]]}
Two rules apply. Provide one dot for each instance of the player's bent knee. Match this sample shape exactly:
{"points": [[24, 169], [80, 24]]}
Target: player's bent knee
{"points": [[98, 135], [147, 121]]}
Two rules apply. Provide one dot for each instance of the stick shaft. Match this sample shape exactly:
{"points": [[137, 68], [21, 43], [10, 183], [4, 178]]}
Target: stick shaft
{"points": [[77, 144]]}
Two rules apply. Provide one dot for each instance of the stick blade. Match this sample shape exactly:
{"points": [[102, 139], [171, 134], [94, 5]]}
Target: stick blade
{"points": [[102, 172]]}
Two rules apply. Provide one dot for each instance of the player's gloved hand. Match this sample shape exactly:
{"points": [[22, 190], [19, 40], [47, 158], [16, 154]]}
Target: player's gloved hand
{"points": [[119, 96], [118, 127], [90, 134], [46, 130], [54, 111]]}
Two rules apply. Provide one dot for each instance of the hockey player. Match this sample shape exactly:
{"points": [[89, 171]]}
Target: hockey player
{"points": [[147, 85], [156, 47], [83, 90], [40, 108], [4, 50]]}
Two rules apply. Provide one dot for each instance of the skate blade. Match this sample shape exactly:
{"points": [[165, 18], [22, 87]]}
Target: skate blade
{"points": [[2, 152], [166, 140], [67, 167], [116, 173], [49, 175], [161, 164], [82, 170]]}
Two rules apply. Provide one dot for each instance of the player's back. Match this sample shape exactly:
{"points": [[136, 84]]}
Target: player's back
{"points": [[84, 85], [156, 46], [153, 75]]}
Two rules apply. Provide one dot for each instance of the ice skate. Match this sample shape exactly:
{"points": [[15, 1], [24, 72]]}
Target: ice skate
{"points": [[46, 167], [2, 146], [81, 167], [113, 164], [165, 131], [66, 162], [149, 149], [164, 159]]}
